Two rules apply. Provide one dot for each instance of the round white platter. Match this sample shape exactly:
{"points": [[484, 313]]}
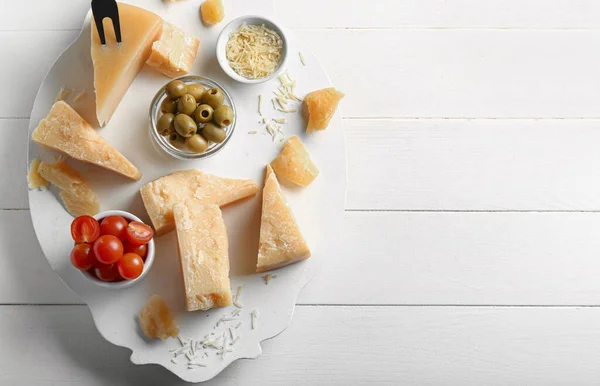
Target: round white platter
{"points": [[318, 208]]}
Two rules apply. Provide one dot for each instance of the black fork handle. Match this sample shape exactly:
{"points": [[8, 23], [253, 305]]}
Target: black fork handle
{"points": [[103, 9]]}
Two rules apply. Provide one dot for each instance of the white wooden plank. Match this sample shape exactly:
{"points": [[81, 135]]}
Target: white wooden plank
{"points": [[462, 73], [35, 15], [26, 275], [332, 346], [473, 164], [400, 73], [439, 13], [397, 258], [13, 158], [41, 15], [27, 57]]}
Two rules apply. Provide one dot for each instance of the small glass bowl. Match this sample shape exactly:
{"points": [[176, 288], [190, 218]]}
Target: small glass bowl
{"points": [[184, 154]]}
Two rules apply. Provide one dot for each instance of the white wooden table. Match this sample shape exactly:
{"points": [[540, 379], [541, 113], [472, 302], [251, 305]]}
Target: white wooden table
{"points": [[472, 234]]}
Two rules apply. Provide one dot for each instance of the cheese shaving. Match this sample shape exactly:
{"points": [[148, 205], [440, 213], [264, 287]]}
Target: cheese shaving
{"points": [[302, 58], [280, 120], [62, 94], [252, 132], [79, 96], [260, 105], [253, 316], [254, 51], [236, 299]]}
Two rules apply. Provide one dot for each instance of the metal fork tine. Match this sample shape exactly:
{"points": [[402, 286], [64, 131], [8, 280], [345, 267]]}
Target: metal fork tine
{"points": [[117, 27], [106, 9]]}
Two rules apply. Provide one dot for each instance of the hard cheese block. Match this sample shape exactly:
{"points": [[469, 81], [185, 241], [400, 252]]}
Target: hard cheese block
{"points": [[78, 197], [295, 164], [319, 106], [174, 52], [64, 130], [191, 185], [281, 242], [116, 66], [204, 255]]}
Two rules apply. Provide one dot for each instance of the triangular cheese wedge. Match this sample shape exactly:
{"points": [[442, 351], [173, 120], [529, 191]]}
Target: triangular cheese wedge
{"points": [[281, 242], [116, 66], [160, 195], [204, 255], [64, 130]]}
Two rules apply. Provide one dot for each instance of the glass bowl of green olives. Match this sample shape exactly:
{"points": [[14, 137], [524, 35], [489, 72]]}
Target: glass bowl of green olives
{"points": [[192, 117]]}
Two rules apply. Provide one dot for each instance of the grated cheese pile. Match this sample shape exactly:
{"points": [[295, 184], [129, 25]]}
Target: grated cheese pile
{"points": [[254, 51]]}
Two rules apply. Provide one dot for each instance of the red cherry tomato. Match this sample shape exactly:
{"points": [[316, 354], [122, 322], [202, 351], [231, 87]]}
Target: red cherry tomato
{"points": [[82, 257], [107, 272], [140, 250], [139, 233], [130, 266], [85, 229], [108, 249], [114, 225]]}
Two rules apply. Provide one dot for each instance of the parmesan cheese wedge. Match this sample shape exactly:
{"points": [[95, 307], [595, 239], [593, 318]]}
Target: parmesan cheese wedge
{"points": [[174, 53], [191, 185], [117, 65], [78, 197], [281, 242], [34, 178], [204, 255], [64, 130]]}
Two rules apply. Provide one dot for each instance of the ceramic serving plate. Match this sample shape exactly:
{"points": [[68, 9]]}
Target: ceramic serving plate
{"points": [[318, 208]]}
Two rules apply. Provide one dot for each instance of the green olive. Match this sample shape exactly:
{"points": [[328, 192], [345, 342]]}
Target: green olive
{"points": [[213, 133], [176, 89], [203, 114], [185, 125], [177, 140], [213, 97], [197, 143], [196, 90], [165, 125], [223, 116], [168, 106], [186, 105]]}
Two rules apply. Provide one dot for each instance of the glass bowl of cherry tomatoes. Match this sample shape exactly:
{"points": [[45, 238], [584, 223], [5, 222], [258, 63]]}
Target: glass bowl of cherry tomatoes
{"points": [[114, 249]]}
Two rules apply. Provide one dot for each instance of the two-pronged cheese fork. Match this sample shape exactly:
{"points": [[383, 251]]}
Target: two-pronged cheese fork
{"points": [[106, 9]]}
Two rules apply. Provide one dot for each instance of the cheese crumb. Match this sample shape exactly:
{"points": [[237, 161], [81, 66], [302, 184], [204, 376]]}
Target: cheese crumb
{"points": [[267, 278]]}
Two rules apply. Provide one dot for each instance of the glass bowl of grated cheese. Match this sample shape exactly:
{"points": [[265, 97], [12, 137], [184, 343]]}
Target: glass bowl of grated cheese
{"points": [[252, 49]]}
